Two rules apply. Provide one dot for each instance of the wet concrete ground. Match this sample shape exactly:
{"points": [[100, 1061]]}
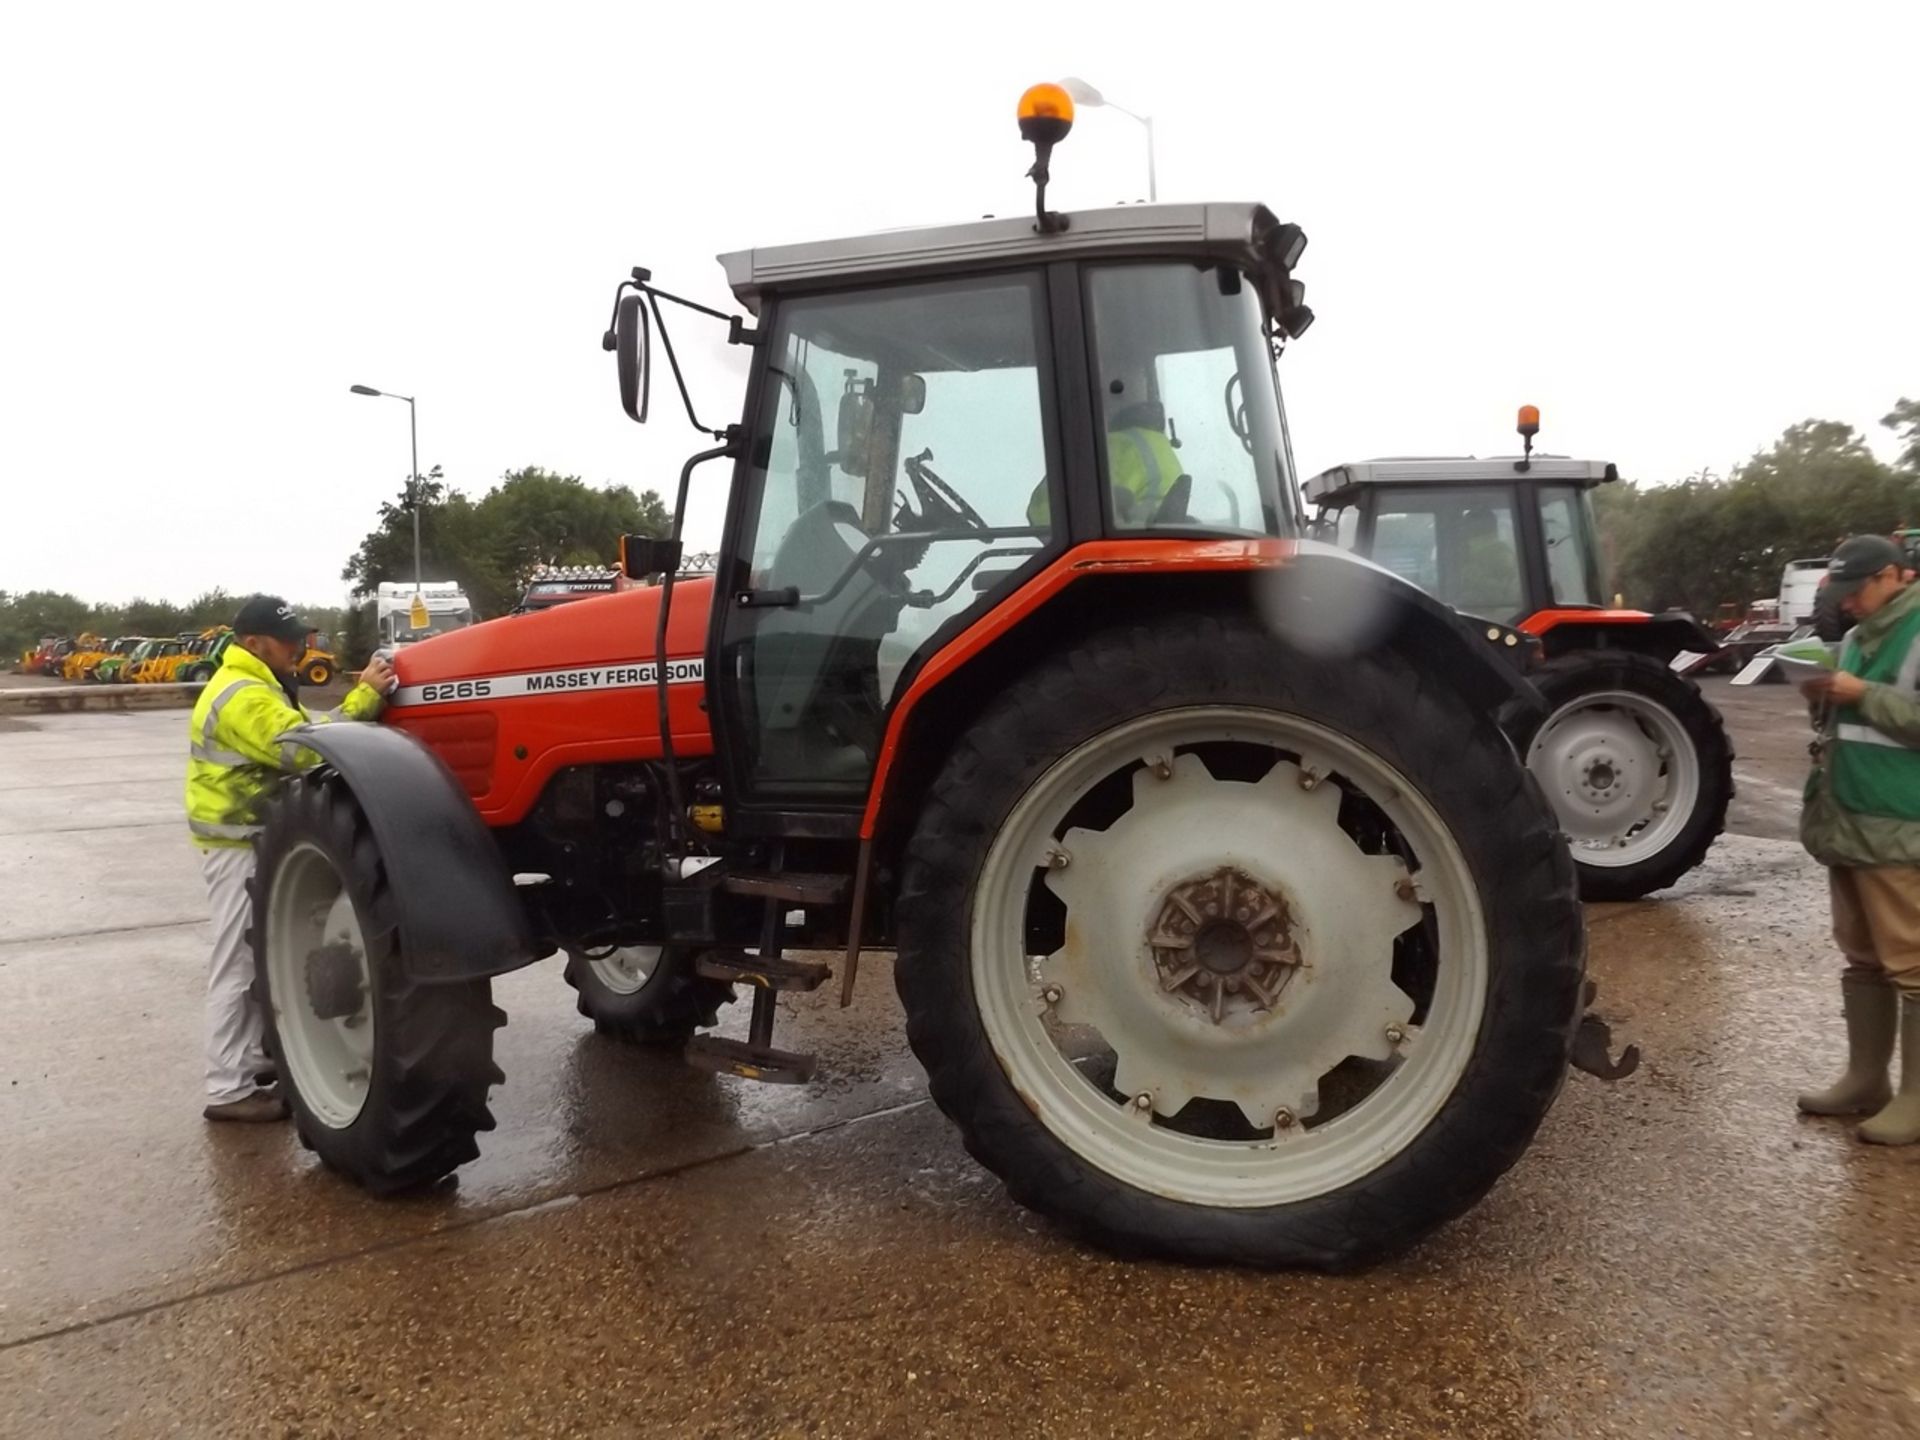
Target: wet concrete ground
{"points": [[643, 1249]]}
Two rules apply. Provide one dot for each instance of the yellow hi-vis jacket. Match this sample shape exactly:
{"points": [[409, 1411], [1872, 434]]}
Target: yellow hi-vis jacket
{"points": [[1142, 466], [243, 742]]}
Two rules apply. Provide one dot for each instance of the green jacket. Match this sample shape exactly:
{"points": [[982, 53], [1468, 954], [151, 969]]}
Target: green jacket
{"points": [[1863, 797], [241, 745]]}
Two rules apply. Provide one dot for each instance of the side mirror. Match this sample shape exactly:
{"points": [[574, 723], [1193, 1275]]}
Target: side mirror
{"points": [[913, 394], [633, 348], [854, 426], [644, 555]]}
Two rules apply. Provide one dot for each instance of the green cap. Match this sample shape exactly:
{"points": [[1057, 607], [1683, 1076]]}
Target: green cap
{"points": [[1858, 560]]}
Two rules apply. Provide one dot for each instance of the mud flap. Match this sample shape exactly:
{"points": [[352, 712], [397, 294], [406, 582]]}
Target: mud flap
{"points": [[1593, 1046]]}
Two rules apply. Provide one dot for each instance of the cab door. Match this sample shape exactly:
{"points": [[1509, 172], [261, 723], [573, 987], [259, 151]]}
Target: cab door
{"points": [[901, 473]]}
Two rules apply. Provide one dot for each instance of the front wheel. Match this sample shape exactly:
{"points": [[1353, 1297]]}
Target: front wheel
{"points": [[645, 994], [318, 673], [1637, 766], [1213, 951], [387, 1078]]}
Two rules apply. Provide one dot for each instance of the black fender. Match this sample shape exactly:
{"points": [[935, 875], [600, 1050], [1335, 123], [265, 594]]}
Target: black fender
{"points": [[1326, 597], [1661, 636], [460, 918]]}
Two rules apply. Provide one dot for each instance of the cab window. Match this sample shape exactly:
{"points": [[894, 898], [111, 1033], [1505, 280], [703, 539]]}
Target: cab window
{"points": [[1188, 401], [1456, 543]]}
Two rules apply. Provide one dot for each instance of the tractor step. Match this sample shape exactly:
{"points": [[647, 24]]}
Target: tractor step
{"points": [[750, 1062], [767, 972], [793, 886]]}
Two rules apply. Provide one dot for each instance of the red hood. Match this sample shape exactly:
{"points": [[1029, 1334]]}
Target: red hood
{"points": [[509, 702]]}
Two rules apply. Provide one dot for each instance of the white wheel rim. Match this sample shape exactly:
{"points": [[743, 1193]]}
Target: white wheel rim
{"points": [[327, 1059], [1343, 1002], [1622, 774], [627, 970]]}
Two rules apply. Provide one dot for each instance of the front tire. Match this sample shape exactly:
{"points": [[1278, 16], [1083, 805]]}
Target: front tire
{"points": [[387, 1078], [1358, 1056], [1636, 764], [319, 673], [645, 994]]}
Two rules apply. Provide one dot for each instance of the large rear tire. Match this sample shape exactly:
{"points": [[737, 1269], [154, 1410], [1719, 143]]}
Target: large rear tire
{"points": [[1348, 1056], [645, 994], [387, 1078], [1637, 765]]}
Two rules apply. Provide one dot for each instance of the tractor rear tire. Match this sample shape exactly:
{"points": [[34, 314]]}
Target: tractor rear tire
{"points": [[646, 995], [1496, 932], [1628, 720], [387, 1078]]}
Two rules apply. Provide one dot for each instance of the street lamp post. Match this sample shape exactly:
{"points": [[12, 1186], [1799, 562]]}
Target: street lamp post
{"points": [[1082, 93], [413, 481]]}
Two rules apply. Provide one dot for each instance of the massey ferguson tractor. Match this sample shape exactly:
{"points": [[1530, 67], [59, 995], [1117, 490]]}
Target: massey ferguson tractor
{"points": [[1633, 757], [1227, 924]]}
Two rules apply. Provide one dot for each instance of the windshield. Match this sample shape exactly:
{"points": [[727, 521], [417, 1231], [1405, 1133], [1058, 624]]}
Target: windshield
{"points": [[1190, 404], [396, 626]]}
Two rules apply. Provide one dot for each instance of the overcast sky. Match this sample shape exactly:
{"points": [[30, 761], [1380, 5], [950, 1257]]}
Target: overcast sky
{"points": [[1677, 228]]}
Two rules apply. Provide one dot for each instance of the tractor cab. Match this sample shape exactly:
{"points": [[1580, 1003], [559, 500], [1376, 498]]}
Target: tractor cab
{"points": [[1490, 537], [1634, 759]]}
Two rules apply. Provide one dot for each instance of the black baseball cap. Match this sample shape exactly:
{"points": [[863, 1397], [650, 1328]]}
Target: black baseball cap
{"points": [[1858, 560], [270, 615]]}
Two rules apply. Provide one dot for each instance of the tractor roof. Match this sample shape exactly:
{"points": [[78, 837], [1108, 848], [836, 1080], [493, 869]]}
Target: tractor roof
{"points": [[1342, 484], [1240, 233]]}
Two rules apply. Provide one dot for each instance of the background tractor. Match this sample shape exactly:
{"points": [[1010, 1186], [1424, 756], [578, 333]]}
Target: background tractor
{"points": [[46, 658], [1635, 760], [88, 651], [153, 661], [1223, 931], [116, 668], [317, 664], [200, 667]]}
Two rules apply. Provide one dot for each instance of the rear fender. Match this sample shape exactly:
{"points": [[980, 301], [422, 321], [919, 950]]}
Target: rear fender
{"points": [[460, 918], [1661, 636], [1312, 594]]}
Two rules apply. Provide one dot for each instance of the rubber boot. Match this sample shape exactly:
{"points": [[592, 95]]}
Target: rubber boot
{"points": [[1872, 1008], [1899, 1122]]}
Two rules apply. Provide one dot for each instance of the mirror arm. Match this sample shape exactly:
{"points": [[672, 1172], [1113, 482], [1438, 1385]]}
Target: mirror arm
{"points": [[673, 360]]}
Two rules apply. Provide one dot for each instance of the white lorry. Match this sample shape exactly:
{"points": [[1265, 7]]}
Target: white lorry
{"points": [[447, 608], [1799, 586]]}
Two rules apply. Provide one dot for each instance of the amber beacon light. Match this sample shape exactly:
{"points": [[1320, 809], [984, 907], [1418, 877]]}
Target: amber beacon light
{"points": [[1046, 115]]}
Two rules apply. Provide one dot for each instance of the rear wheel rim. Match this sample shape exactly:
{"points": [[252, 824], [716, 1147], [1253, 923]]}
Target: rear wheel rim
{"points": [[1622, 772], [1341, 1002], [628, 969], [327, 1057]]}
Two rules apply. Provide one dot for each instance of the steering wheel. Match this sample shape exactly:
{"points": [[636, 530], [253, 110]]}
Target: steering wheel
{"points": [[932, 491]]}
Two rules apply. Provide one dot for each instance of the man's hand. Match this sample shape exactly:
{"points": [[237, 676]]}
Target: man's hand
{"points": [[379, 674], [1837, 686]]}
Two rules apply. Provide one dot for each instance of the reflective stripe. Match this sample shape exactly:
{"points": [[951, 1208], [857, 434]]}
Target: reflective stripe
{"points": [[214, 756], [207, 830], [1909, 675], [1867, 735], [208, 725]]}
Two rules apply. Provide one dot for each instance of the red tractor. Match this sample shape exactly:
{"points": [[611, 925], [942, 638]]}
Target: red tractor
{"points": [[1632, 755], [1222, 933]]}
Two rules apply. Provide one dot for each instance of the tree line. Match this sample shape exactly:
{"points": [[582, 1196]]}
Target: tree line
{"points": [[27, 615], [1694, 544], [530, 517], [1708, 540]]}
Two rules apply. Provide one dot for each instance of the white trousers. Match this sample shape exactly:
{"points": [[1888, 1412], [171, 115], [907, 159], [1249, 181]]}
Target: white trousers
{"points": [[236, 1028]]}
